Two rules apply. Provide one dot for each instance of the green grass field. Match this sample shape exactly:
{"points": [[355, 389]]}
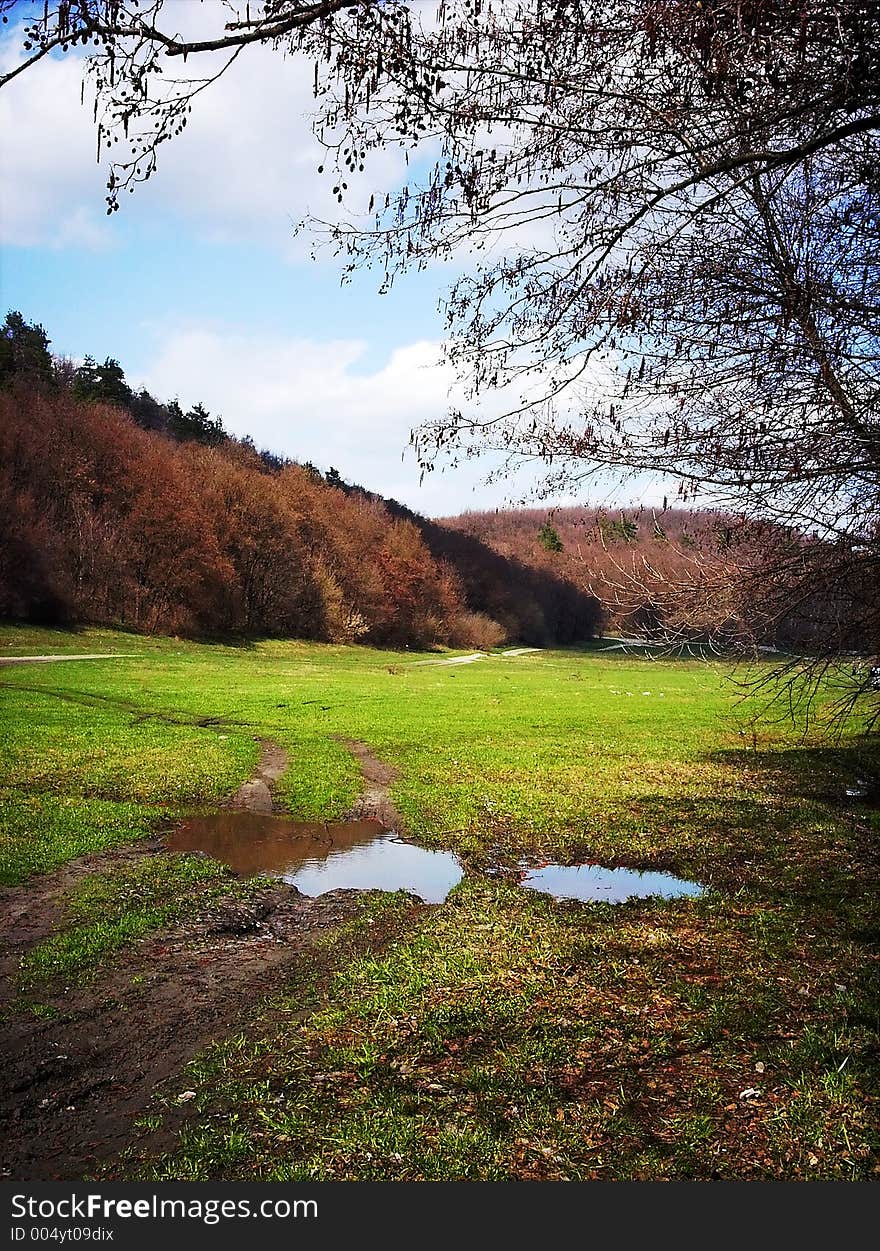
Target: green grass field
{"points": [[502, 1034]]}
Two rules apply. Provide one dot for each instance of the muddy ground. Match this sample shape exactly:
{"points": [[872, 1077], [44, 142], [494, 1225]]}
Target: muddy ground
{"points": [[374, 803], [74, 1083]]}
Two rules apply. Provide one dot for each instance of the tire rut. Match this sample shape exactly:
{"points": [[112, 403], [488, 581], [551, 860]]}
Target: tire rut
{"points": [[74, 1084], [374, 802]]}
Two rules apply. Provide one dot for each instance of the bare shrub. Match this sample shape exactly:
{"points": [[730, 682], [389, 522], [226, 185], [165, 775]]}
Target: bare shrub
{"points": [[475, 629]]}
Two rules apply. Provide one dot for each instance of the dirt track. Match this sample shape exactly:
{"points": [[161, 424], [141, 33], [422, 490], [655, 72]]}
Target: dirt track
{"points": [[374, 803], [472, 657], [74, 1083], [255, 795]]}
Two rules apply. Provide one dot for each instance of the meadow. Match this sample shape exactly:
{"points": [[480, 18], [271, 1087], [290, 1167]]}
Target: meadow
{"points": [[501, 1034]]}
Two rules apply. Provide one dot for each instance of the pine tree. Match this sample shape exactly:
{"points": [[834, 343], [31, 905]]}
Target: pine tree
{"points": [[549, 538]]}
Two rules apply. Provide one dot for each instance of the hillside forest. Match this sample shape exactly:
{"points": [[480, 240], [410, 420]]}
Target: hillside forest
{"points": [[120, 509]]}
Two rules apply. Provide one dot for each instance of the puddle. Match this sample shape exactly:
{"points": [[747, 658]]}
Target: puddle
{"points": [[591, 882], [864, 791], [316, 857]]}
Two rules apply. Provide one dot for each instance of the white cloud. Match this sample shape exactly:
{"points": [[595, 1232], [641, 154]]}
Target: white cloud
{"points": [[313, 401], [52, 189], [245, 169]]}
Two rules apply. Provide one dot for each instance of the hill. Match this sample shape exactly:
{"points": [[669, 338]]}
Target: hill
{"points": [[685, 573], [119, 509]]}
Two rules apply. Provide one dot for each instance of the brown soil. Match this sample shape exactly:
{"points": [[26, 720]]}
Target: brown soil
{"points": [[255, 795], [33, 911], [74, 1082], [374, 803]]}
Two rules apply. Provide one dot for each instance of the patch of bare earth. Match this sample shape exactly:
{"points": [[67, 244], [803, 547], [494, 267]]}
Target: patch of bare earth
{"points": [[73, 1085], [374, 803], [34, 910], [255, 795]]}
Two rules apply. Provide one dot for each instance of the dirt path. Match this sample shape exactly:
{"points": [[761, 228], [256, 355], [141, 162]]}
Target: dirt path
{"points": [[255, 795], [452, 660], [32, 911], [74, 1083], [374, 803], [474, 656], [44, 660], [619, 644]]}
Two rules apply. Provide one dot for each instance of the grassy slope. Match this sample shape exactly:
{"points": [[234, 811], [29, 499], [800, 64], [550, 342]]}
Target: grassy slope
{"points": [[507, 1035]]}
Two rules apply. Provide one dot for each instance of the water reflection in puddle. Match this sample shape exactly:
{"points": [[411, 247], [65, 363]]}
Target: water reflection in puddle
{"points": [[590, 882], [316, 857], [864, 791]]}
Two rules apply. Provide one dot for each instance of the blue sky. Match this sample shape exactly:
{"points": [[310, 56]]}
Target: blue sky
{"points": [[199, 288], [118, 299]]}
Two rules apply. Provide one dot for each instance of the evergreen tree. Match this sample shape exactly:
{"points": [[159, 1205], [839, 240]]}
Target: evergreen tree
{"points": [[196, 426], [24, 352], [102, 382], [148, 412], [548, 537]]}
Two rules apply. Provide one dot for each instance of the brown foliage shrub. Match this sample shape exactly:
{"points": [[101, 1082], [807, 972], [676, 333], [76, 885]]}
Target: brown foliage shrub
{"points": [[476, 630]]}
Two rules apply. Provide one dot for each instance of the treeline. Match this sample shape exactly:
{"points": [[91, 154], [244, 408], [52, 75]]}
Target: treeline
{"points": [[519, 599], [118, 509], [25, 357]]}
